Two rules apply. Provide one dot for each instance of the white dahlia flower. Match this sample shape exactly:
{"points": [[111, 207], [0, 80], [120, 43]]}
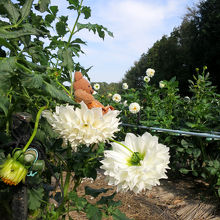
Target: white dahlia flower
{"points": [[134, 107], [83, 125], [116, 98], [147, 79], [137, 163], [94, 93], [150, 72], [96, 86], [124, 86], [161, 84]]}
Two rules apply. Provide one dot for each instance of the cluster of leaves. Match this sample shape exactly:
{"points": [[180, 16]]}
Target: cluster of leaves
{"points": [[165, 108], [37, 51]]}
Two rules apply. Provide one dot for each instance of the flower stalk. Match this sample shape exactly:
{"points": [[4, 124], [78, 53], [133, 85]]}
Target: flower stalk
{"points": [[35, 129], [122, 145]]}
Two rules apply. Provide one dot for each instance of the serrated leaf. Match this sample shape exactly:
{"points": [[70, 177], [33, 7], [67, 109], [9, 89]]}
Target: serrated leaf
{"points": [[5, 82], [6, 44], [61, 28], [95, 28], [74, 3], [93, 213], [118, 215], [54, 9], [7, 67], [4, 103], [8, 64], [66, 56], [49, 18], [13, 12], [32, 80], [79, 202], [34, 198], [42, 5], [94, 192], [57, 94], [26, 30], [26, 8], [86, 11], [78, 41]]}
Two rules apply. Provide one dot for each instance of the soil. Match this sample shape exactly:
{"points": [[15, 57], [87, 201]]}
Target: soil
{"points": [[182, 199]]}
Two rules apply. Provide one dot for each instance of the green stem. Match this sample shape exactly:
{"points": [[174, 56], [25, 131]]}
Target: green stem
{"points": [[7, 127], [122, 145], [35, 129], [72, 32], [63, 87], [76, 183], [23, 67], [66, 184], [71, 87]]}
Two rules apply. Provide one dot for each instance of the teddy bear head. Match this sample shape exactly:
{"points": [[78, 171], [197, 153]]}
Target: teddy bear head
{"points": [[82, 83]]}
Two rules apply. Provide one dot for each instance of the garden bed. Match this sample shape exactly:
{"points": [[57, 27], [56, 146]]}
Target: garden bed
{"points": [[173, 199]]}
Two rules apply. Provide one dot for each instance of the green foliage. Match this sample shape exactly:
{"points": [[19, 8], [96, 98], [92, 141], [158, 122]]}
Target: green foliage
{"points": [[35, 197], [165, 108], [193, 44], [94, 192], [32, 74]]}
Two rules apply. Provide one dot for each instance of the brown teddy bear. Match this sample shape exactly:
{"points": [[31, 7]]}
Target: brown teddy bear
{"points": [[83, 92]]}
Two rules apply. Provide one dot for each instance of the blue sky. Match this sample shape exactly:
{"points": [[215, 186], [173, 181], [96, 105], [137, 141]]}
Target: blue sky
{"points": [[136, 25]]}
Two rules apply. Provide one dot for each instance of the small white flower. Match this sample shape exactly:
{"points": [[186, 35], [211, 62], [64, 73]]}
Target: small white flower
{"points": [[94, 92], [96, 86], [150, 72], [116, 98], [134, 107], [161, 84], [139, 168], [125, 103], [109, 95], [147, 79], [125, 86], [83, 126]]}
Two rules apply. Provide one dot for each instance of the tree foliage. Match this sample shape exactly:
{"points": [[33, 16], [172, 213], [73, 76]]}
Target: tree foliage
{"points": [[193, 44]]}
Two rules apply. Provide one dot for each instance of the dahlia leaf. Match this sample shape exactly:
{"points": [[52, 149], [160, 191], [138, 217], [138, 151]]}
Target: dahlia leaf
{"points": [[95, 192], [93, 213], [118, 215], [34, 198]]}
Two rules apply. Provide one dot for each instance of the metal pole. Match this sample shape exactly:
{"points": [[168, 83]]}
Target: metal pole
{"points": [[186, 133]]}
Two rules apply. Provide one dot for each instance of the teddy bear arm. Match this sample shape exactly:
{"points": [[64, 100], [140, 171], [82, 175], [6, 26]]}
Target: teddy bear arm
{"points": [[81, 95]]}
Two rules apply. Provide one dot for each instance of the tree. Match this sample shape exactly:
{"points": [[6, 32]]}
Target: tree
{"points": [[194, 44]]}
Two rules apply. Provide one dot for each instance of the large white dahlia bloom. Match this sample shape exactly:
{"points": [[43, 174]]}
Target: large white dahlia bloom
{"points": [[83, 125], [137, 170]]}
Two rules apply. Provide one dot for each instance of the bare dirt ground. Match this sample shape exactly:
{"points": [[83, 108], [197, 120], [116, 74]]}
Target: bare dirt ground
{"points": [[182, 199]]}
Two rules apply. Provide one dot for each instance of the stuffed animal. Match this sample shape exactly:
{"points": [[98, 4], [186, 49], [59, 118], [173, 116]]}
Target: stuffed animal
{"points": [[83, 92]]}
